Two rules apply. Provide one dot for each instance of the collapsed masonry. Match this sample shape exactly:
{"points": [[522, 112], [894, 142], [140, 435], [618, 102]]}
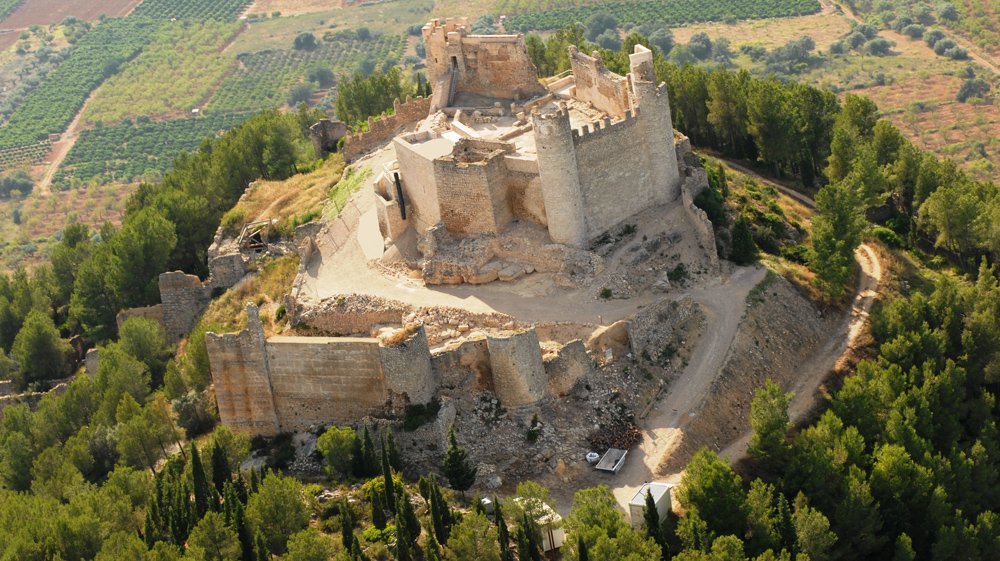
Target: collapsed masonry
{"points": [[280, 384]]}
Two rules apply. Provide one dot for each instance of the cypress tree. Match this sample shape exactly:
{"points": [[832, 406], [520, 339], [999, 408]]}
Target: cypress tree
{"points": [[424, 486], [744, 249], [356, 552], [201, 498], [402, 532], [408, 514], [216, 503], [652, 518], [437, 514], [261, 546], [786, 528], [390, 444], [477, 504], [254, 483], [357, 458], [523, 544], [457, 467], [533, 539], [378, 510], [242, 527], [346, 527], [148, 531], [503, 533], [220, 468], [370, 464], [723, 183], [432, 550], [390, 490], [582, 551]]}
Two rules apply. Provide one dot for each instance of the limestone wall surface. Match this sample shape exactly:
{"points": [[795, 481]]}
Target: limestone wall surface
{"points": [[184, 297], [227, 270], [566, 367], [407, 367], [473, 195], [616, 178], [325, 135], [413, 110], [597, 85], [518, 372], [419, 186]]}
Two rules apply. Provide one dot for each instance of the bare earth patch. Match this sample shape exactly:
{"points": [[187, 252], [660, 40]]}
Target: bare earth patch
{"points": [[289, 7], [824, 28], [44, 12]]}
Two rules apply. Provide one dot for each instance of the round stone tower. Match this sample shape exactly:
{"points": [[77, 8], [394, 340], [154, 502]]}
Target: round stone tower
{"points": [[518, 372], [654, 114], [557, 170]]}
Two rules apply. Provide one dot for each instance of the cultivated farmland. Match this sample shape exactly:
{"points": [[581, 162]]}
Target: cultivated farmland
{"points": [[263, 79], [45, 12], [50, 107], [172, 76], [637, 12], [197, 10], [126, 153]]}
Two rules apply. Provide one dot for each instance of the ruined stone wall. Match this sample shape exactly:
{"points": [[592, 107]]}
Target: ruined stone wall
{"points": [[148, 312], [524, 193], [407, 367], [695, 178], [473, 195], [32, 399], [352, 313], [496, 66], [184, 298], [226, 270], [566, 367], [242, 379], [325, 135], [385, 128], [607, 91], [320, 380], [518, 372], [616, 178]]}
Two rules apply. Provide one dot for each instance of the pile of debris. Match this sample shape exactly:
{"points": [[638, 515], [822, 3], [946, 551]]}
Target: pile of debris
{"points": [[622, 436]]}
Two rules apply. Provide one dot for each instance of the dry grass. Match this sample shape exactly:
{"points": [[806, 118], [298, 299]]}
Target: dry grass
{"points": [[400, 337], [824, 28], [42, 217], [295, 201], [266, 289]]}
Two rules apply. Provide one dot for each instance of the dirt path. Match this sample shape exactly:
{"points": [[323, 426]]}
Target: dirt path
{"points": [[815, 372], [68, 140], [723, 306]]}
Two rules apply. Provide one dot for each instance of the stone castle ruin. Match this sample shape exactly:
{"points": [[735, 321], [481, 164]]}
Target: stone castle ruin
{"points": [[494, 177]]}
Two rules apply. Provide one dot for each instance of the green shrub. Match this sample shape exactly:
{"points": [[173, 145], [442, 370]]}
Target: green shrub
{"points": [[744, 249], [887, 236], [712, 203], [232, 221]]}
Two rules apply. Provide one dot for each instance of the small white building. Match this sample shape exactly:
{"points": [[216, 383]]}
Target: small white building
{"points": [[661, 497], [550, 524]]}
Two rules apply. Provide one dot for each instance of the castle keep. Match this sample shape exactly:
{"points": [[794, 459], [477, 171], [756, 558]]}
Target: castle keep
{"points": [[578, 158]]}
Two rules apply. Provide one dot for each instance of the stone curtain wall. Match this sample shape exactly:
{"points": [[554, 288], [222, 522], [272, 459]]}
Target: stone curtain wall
{"points": [[606, 90], [242, 380], [325, 135], [184, 297], [616, 178], [695, 179], [385, 128], [317, 380], [281, 384]]}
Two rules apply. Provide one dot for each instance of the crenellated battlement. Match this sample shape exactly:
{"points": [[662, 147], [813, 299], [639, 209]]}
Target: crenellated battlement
{"points": [[606, 127], [385, 127]]}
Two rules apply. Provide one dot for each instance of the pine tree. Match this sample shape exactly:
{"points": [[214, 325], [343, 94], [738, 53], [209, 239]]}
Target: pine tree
{"points": [[457, 467], [786, 528], [390, 444], [368, 453], [390, 490], [652, 518], [357, 458], [201, 493], [503, 533], [582, 551], [220, 468], [378, 511], [149, 531]]}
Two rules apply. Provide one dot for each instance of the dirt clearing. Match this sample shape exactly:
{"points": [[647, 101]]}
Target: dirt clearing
{"points": [[824, 28], [44, 12], [291, 7]]}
